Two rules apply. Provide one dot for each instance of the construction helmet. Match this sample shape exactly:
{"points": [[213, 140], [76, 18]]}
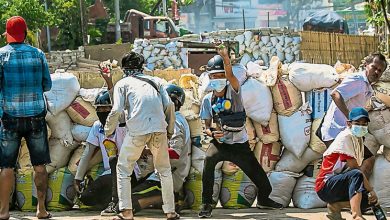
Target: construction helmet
{"points": [[215, 65], [133, 60], [176, 93], [103, 99]]}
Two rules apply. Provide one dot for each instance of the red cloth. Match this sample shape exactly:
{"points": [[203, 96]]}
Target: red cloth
{"points": [[330, 163], [173, 154]]}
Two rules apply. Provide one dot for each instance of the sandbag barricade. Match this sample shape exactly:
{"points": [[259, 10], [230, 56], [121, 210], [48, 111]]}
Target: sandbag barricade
{"points": [[316, 143], [319, 101], [289, 162], [380, 180]]}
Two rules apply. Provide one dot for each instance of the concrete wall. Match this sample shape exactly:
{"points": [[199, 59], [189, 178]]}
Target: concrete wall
{"points": [[107, 51]]}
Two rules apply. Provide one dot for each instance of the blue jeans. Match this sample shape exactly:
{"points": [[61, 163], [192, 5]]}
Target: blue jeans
{"points": [[342, 187], [33, 130]]}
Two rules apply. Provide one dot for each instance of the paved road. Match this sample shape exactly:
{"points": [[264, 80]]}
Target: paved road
{"points": [[253, 213]]}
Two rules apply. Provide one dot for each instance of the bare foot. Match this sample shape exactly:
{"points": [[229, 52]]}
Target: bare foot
{"points": [[125, 215], [5, 217]]}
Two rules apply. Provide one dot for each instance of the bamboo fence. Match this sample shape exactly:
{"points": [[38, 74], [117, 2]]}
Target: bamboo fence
{"points": [[328, 48]]}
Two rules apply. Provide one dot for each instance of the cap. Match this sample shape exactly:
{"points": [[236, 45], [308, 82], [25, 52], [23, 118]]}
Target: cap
{"points": [[16, 28], [357, 113]]}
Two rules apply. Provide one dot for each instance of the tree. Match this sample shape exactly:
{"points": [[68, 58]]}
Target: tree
{"points": [[66, 15], [32, 11]]}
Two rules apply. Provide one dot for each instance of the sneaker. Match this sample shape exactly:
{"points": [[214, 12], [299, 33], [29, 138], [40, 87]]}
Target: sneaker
{"points": [[269, 204], [205, 211], [111, 210]]}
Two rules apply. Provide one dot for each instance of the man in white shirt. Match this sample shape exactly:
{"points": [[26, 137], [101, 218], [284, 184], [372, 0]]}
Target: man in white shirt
{"points": [[105, 184], [147, 104], [148, 193]]}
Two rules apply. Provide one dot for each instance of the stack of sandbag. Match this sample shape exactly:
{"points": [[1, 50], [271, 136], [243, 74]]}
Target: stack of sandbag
{"points": [[193, 184], [169, 53], [161, 55]]}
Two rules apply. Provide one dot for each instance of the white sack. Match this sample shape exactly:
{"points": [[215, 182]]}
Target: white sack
{"points": [[307, 76], [289, 162], [60, 126], [257, 100], [80, 132], [282, 186], [380, 180], [305, 196], [63, 91], [295, 130], [89, 95], [379, 126]]}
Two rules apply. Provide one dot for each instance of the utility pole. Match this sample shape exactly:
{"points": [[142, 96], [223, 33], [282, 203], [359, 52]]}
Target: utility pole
{"points": [[83, 22], [48, 33], [165, 8], [117, 21]]}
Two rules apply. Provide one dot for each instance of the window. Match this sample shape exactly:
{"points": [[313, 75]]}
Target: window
{"points": [[162, 26]]}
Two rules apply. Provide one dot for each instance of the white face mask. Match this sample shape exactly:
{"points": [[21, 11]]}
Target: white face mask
{"points": [[217, 84]]}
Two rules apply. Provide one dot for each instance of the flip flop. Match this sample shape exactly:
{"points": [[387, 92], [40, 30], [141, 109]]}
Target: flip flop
{"points": [[48, 216], [177, 216], [121, 217]]}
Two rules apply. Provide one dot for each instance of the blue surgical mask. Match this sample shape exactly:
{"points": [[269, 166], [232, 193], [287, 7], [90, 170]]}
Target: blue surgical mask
{"points": [[359, 130], [217, 84]]}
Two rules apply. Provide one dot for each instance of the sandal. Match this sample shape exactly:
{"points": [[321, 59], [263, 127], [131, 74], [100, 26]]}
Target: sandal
{"points": [[48, 216], [121, 217], [175, 217]]}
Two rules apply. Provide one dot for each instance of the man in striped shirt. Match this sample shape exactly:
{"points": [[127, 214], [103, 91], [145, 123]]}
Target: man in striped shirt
{"points": [[24, 77]]}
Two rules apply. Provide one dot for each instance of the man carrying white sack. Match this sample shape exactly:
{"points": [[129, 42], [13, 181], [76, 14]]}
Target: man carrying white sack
{"points": [[230, 141], [147, 104], [354, 91], [341, 181]]}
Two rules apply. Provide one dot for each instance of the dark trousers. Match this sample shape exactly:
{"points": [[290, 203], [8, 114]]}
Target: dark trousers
{"points": [[243, 157], [342, 187], [104, 189]]}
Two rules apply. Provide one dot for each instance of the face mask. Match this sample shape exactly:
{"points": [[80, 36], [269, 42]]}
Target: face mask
{"points": [[359, 130], [102, 117], [218, 84]]}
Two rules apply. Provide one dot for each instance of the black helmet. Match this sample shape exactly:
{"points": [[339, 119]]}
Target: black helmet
{"points": [[133, 60], [176, 93], [215, 65], [103, 99]]}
